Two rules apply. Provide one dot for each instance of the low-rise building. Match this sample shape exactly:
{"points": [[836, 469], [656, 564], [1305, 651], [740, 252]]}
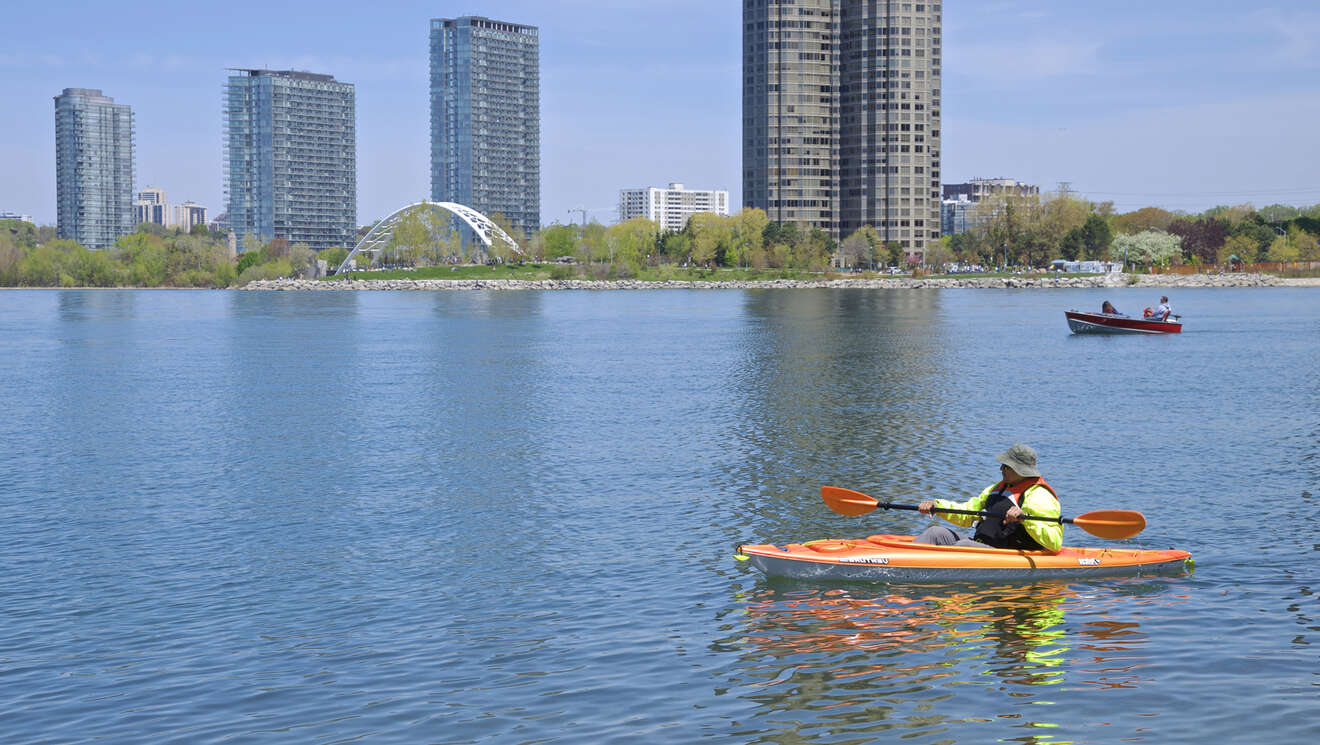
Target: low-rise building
{"points": [[958, 208], [979, 188]]}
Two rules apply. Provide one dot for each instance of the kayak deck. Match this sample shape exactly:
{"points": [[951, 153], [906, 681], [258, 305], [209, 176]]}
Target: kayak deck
{"points": [[897, 558]]}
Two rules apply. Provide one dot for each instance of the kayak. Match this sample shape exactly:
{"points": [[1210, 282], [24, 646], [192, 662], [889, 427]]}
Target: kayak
{"points": [[894, 558]]}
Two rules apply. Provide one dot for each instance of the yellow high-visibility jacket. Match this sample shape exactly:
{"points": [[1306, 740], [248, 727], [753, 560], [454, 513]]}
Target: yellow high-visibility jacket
{"points": [[1033, 497]]}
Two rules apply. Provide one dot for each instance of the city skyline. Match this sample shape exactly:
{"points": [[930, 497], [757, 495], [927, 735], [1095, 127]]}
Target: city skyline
{"points": [[1181, 105]]}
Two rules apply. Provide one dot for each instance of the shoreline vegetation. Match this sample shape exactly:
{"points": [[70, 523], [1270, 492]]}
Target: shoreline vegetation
{"points": [[1012, 240]]}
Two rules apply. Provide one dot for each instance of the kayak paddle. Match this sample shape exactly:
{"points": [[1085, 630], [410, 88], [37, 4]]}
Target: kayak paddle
{"points": [[1111, 524]]}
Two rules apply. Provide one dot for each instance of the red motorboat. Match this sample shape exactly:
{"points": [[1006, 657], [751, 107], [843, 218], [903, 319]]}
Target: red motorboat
{"points": [[1082, 322]]}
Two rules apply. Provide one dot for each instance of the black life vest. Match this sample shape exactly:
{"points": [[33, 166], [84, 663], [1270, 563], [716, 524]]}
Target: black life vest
{"points": [[993, 531]]}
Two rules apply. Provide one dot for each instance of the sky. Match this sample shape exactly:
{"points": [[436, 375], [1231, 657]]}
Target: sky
{"points": [[1180, 104]]}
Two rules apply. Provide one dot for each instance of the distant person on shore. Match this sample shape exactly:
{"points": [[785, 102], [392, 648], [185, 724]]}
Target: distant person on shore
{"points": [[1108, 307], [1019, 492]]}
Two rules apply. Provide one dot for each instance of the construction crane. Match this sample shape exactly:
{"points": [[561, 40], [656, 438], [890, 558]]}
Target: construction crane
{"points": [[584, 210]]}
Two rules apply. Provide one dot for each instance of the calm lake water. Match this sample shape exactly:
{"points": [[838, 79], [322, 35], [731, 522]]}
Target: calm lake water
{"points": [[510, 517]]}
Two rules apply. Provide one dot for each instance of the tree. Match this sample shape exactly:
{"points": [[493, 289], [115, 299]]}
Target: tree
{"points": [[748, 235], [559, 240], [592, 245], [1146, 247], [1096, 237], [22, 233], [631, 240], [504, 248], [1146, 218], [247, 260], [677, 247], [1307, 248], [1201, 239], [1072, 244], [858, 249], [11, 259], [1242, 246], [410, 238], [709, 232], [1056, 217], [939, 254], [250, 244]]}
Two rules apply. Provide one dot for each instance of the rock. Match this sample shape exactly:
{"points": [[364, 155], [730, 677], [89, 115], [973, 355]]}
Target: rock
{"points": [[1044, 282]]}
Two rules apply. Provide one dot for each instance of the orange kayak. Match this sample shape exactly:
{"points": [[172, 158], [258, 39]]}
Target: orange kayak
{"points": [[896, 558]]}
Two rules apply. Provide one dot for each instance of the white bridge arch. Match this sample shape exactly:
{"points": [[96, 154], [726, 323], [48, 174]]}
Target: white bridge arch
{"points": [[486, 231]]}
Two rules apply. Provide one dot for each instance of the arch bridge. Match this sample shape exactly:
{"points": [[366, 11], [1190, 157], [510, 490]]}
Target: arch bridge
{"points": [[379, 236]]}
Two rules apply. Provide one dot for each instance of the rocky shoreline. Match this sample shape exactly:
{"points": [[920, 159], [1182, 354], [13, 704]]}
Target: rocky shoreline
{"points": [[886, 283]]}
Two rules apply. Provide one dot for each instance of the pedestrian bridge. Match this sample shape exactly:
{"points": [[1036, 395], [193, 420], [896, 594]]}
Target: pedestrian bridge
{"points": [[379, 236]]}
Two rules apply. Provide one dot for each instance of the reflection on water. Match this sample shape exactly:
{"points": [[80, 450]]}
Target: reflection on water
{"points": [[873, 658]]}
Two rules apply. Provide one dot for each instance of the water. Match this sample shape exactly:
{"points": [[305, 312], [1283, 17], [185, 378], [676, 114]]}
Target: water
{"points": [[485, 517]]}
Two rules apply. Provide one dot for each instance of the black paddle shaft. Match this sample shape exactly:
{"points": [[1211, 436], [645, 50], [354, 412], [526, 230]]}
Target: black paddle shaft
{"points": [[892, 506]]}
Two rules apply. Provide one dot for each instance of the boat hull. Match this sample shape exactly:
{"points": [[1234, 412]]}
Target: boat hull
{"points": [[1080, 322], [888, 558]]}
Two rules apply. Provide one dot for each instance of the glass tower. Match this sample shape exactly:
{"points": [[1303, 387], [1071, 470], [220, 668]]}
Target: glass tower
{"points": [[291, 157], [841, 115], [486, 118], [93, 167]]}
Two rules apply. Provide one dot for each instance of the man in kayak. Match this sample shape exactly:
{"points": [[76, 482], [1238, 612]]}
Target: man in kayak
{"points": [[1020, 491]]}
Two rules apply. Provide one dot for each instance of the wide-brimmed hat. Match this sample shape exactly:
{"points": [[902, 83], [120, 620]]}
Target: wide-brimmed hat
{"points": [[1021, 459]]}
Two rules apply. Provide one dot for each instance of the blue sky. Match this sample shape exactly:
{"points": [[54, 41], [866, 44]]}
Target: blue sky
{"points": [[1182, 104]]}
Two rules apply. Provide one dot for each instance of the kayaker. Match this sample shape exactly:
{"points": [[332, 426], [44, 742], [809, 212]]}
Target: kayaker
{"points": [[1020, 491]]}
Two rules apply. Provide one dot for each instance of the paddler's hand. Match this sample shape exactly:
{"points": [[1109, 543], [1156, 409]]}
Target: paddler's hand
{"points": [[1014, 515], [926, 506]]}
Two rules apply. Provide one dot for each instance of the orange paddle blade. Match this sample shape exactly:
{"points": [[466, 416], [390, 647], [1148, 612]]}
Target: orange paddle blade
{"points": [[1112, 524], [846, 501]]}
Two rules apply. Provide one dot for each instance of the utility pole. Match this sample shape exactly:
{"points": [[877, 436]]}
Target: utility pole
{"points": [[583, 210]]}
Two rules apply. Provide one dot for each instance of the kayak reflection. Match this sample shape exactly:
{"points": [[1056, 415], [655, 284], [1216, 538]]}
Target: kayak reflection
{"points": [[1022, 626]]}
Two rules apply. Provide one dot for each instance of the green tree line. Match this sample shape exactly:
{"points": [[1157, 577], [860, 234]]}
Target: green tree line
{"points": [[154, 256], [1031, 230]]}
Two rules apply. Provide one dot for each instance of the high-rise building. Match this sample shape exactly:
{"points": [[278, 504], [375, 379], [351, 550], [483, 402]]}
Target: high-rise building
{"points": [[291, 157], [189, 215], [671, 207], [93, 167], [152, 205], [486, 118], [841, 115]]}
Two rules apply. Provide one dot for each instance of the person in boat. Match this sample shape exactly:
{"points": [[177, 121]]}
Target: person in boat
{"points": [[1162, 312], [1108, 307], [1020, 491]]}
